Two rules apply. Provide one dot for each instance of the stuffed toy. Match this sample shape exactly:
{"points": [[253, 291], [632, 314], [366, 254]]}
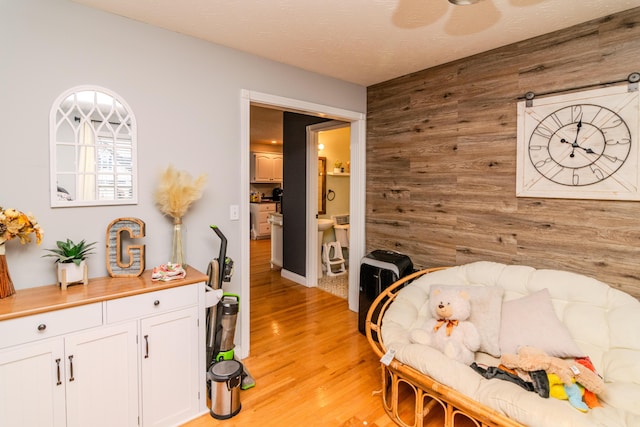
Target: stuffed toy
{"points": [[449, 330], [589, 397], [561, 372], [573, 393]]}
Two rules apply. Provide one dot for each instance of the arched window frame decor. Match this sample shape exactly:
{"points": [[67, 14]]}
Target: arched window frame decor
{"points": [[93, 149]]}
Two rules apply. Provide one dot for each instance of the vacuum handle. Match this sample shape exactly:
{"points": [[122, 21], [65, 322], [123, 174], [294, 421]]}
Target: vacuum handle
{"points": [[223, 253]]}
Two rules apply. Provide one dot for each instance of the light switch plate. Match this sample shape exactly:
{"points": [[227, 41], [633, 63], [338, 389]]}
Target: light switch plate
{"points": [[234, 212]]}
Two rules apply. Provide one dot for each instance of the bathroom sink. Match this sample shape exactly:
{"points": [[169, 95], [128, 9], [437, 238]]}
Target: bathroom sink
{"points": [[324, 224]]}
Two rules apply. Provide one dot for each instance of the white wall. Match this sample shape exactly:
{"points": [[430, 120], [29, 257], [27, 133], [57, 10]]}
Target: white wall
{"points": [[185, 94]]}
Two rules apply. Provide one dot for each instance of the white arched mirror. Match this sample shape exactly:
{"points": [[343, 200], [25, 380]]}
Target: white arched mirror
{"points": [[92, 149]]}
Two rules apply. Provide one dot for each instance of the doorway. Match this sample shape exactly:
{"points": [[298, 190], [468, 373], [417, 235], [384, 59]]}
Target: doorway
{"points": [[357, 191], [337, 192]]}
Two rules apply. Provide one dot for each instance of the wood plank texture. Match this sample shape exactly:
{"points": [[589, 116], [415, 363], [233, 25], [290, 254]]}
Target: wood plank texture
{"points": [[311, 365], [441, 160]]}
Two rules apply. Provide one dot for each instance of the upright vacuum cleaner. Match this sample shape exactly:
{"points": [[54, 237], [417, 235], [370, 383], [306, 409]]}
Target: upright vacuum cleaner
{"points": [[221, 318]]}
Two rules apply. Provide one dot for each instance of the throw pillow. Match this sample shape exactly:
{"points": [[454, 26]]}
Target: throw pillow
{"points": [[532, 321], [486, 306]]}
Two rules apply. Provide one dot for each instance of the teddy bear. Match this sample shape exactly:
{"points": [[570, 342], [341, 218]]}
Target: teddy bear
{"points": [[448, 330], [562, 372]]}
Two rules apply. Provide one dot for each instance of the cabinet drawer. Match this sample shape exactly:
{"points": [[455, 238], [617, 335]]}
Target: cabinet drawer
{"points": [[263, 217], [151, 303], [264, 229], [268, 207], [50, 324]]}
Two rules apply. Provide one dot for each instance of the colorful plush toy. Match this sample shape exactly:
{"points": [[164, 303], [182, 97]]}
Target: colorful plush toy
{"points": [[449, 330], [589, 397], [573, 393], [567, 374]]}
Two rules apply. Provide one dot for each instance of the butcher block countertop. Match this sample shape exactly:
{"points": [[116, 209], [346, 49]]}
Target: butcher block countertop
{"points": [[41, 299]]}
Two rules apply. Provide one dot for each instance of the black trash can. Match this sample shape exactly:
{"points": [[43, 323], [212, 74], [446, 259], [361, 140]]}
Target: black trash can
{"points": [[378, 270]]}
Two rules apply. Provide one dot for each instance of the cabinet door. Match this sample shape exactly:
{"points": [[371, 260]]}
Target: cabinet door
{"points": [[32, 385], [102, 377], [263, 171], [169, 363], [277, 168]]}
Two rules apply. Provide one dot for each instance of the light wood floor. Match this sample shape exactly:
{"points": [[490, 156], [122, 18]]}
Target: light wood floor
{"points": [[311, 365]]}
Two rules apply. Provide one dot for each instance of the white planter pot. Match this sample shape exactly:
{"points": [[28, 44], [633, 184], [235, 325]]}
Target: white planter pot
{"points": [[72, 273]]}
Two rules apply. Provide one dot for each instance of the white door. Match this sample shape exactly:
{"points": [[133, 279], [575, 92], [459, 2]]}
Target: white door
{"points": [[102, 377], [169, 361], [32, 385]]}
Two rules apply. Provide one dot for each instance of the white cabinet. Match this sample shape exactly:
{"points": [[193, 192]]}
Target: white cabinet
{"points": [[31, 393], [266, 167], [77, 379], [276, 222], [169, 367], [131, 361], [260, 225], [167, 323], [101, 377]]}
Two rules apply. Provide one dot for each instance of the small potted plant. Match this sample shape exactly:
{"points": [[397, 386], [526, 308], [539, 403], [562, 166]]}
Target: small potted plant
{"points": [[337, 166], [71, 261]]}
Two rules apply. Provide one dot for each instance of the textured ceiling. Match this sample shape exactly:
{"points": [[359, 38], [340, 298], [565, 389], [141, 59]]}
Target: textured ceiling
{"points": [[362, 41]]}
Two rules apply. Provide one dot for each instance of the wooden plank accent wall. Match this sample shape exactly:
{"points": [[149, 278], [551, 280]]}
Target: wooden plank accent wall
{"points": [[441, 160]]}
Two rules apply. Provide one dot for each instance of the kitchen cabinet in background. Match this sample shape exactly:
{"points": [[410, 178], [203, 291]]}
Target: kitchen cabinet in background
{"points": [[260, 226], [266, 167]]}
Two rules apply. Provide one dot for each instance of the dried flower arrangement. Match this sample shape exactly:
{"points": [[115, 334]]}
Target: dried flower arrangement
{"points": [[14, 224], [176, 192]]}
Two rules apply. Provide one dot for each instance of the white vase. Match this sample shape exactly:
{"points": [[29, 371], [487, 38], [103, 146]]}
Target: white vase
{"points": [[69, 272]]}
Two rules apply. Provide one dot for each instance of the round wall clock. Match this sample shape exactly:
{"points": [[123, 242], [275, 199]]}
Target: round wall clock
{"points": [[580, 144]]}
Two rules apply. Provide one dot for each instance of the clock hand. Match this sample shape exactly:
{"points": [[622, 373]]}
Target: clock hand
{"points": [[575, 143], [573, 146]]}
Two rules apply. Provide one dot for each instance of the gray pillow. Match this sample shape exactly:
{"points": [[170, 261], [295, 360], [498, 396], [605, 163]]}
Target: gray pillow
{"points": [[532, 321]]}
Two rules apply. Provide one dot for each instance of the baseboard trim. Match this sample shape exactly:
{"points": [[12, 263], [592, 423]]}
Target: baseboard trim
{"points": [[294, 277]]}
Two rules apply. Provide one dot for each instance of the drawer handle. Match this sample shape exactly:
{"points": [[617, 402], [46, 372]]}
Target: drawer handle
{"points": [[156, 302], [58, 369], [71, 378], [146, 345], [42, 327]]}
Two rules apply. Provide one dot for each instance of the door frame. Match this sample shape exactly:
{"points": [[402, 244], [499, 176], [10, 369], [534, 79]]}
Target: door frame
{"points": [[356, 200]]}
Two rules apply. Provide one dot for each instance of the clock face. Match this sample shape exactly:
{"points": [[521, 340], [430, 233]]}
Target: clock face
{"points": [[580, 145]]}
